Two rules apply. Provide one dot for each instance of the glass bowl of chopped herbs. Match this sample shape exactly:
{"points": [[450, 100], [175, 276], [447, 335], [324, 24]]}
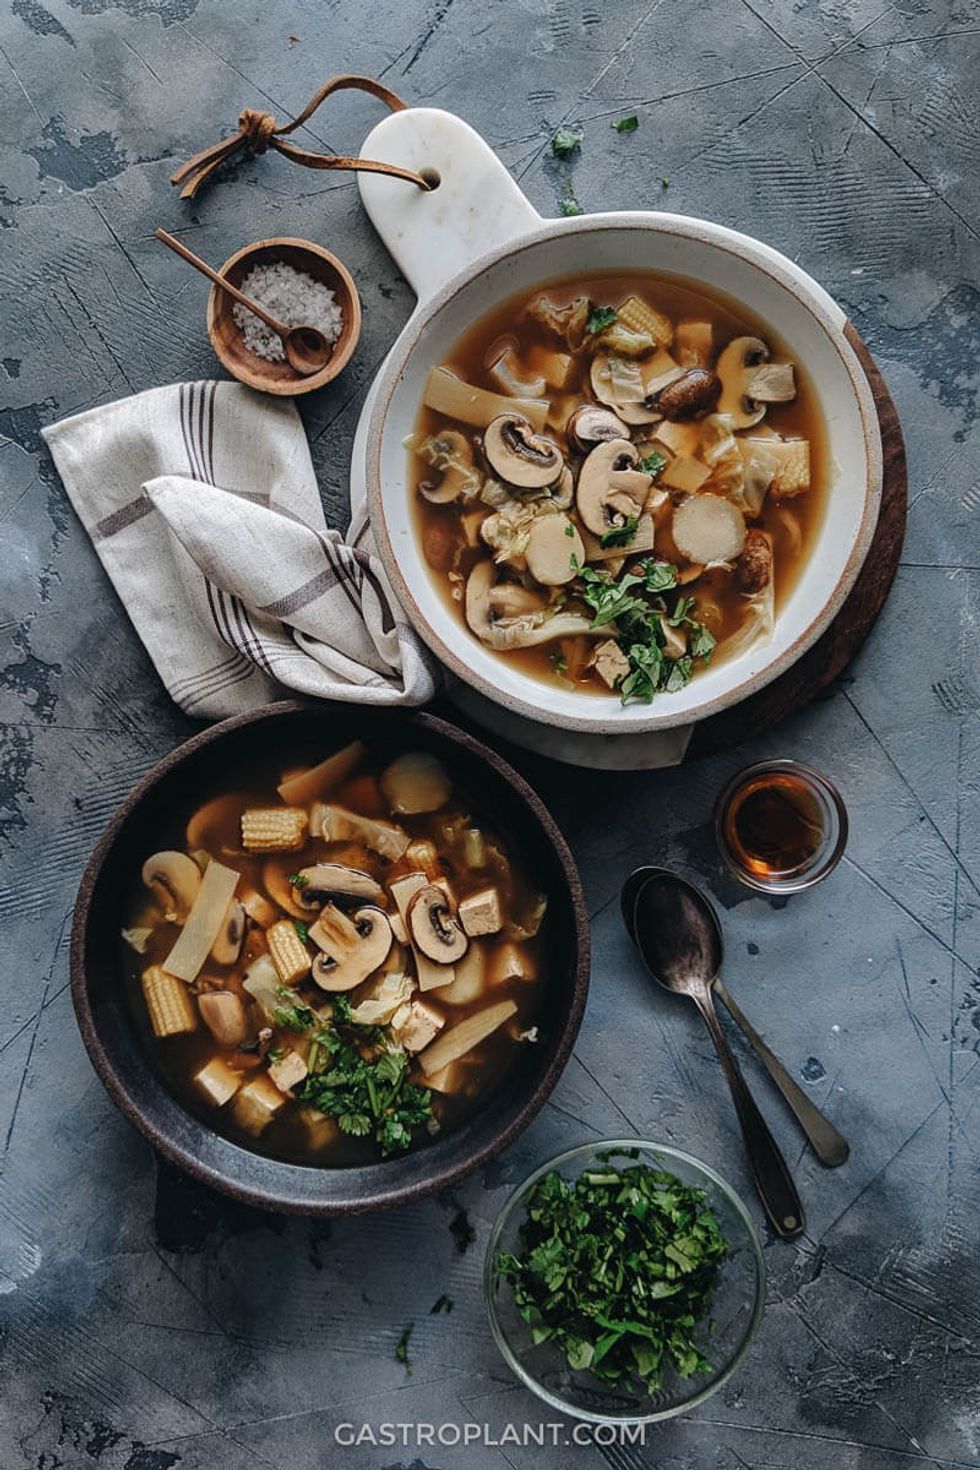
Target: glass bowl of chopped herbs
{"points": [[624, 1282]]}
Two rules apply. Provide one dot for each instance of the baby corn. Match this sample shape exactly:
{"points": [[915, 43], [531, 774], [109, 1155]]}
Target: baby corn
{"points": [[273, 829], [169, 1002], [639, 316], [289, 954]]}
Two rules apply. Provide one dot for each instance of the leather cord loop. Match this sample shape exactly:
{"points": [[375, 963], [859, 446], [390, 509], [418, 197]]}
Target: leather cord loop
{"points": [[258, 132]]}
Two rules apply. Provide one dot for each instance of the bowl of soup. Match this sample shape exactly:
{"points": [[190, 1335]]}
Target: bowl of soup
{"points": [[328, 961], [622, 469]]}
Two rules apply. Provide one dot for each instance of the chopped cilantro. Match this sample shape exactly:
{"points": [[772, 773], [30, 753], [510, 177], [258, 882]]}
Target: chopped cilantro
{"points": [[570, 206], [298, 880], [294, 1015], [565, 141], [302, 929], [401, 1351], [621, 535], [441, 1304], [652, 463], [627, 124], [275, 1054], [617, 1268], [559, 662], [369, 1096], [600, 317], [569, 530], [665, 182], [462, 1231]]}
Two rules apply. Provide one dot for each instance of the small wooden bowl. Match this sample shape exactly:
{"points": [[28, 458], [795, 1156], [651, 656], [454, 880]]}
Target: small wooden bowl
{"points": [[229, 342]]}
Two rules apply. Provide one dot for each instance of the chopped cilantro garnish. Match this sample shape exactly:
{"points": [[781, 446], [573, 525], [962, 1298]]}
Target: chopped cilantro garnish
{"points": [[570, 206], [617, 1268], [600, 317], [665, 182], [401, 1351], [652, 463], [627, 124], [462, 1231], [559, 662], [620, 535], [565, 141], [294, 1015], [570, 530], [302, 929], [640, 625], [369, 1096], [441, 1304], [298, 880]]}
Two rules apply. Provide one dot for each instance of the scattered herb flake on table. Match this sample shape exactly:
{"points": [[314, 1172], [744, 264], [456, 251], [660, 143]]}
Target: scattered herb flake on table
{"points": [[441, 1304], [627, 124], [462, 1231], [401, 1351], [570, 207], [618, 1269], [565, 141]]}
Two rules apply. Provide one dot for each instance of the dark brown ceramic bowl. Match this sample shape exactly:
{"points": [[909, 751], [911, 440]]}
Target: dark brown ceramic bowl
{"points": [[124, 1063]]}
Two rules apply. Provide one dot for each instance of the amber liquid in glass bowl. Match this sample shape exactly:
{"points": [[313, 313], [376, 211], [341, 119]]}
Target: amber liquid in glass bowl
{"points": [[781, 826]]}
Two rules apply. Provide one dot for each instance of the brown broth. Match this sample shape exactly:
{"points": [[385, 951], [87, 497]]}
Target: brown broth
{"points": [[483, 1070], [720, 604]]}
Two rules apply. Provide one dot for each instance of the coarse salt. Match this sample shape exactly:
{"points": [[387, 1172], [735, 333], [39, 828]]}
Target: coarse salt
{"points": [[291, 295]]}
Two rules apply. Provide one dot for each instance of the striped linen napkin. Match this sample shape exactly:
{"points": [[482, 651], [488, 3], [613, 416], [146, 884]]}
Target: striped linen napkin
{"points": [[202, 504]]}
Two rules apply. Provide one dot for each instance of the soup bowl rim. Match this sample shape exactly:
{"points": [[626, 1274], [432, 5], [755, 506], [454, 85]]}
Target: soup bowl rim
{"points": [[599, 713], [293, 1189]]}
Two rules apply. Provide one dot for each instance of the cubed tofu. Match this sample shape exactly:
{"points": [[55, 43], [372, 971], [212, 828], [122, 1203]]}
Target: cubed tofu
{"points": [[416, 1024], [677, 436], [685, 473], [610, 662], [218, 1081], [793, 475], [450, 1079], [480, 913], [319, 1129], [694, 343], [257, 1103], [511, 962], [288, 1072]]}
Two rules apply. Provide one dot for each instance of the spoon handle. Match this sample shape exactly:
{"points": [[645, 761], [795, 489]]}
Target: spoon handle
{"points": [[179, 248], [772, 1178], [830, 1147]]}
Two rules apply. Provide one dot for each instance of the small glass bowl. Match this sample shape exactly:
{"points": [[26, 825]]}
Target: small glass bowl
{"points": [[736, 1308], [833, 819]]}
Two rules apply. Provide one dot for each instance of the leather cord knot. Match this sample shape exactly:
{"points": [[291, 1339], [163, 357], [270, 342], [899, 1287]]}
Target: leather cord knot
{"points": [[257, 129], [258, 132]]}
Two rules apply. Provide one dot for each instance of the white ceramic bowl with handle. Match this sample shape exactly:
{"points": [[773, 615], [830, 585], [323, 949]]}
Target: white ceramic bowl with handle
{"points": [[476, 241]]}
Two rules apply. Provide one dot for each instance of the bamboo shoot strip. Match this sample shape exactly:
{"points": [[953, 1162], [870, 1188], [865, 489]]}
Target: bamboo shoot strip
{"points": [[203, 922], [321, 779], [460, 1039], [449, 395]]}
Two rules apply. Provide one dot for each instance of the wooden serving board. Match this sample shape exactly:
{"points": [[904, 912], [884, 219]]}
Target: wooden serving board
{"points": [[831, 654]]}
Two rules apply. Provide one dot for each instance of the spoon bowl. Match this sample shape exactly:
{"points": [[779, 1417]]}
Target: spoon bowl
{"points": [[307, 350]]}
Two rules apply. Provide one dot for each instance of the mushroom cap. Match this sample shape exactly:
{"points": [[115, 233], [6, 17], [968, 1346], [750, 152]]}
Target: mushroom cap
{"points": [[416, 782], [434, 927], [554, 550], [325, 881], [734, 367], [174, 878], [227, 947], [608, 481], [591, 424], [518, 455], [458, 451], [361, 958]]}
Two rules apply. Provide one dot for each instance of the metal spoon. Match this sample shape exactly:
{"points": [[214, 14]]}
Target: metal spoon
{"points": [[830, 1147], [307, 349], [679, 938]]}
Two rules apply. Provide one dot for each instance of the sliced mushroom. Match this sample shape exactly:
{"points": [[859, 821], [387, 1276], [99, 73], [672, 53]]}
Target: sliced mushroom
{"points": [[590, 425], [610, 487], [324, 882], [357, 947], [214, 817], [416, 782], [510, 600], [523, 631], [223, 1013], [562, 494], [174, 879], [276, 873], [690, 396], [505, 369], [520, 456], [743, 367], [434, 926], [554, 550], [452, 453], [228, 945]]}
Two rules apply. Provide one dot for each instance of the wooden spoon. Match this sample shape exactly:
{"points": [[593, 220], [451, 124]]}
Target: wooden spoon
{"points": [[307, 349]]}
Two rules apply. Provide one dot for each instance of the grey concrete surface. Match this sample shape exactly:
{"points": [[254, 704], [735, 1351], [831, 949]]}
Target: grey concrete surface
{"points": [[145, 1325]]}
